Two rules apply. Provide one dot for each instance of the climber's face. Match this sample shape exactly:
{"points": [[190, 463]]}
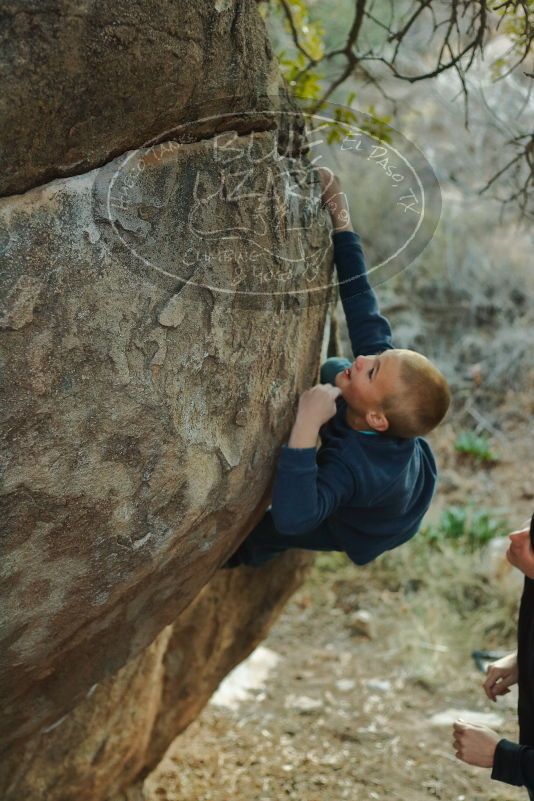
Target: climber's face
{"points": [[369, 380]]}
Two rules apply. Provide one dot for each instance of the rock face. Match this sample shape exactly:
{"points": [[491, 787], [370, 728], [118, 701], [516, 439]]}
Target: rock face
{"points": [[124, 724], [162, 307], [82, 82]]}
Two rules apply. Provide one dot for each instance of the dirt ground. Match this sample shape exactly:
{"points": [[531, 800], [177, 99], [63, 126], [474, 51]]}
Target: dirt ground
{"points": [[346, 715], [358, 743], [361, 739]]}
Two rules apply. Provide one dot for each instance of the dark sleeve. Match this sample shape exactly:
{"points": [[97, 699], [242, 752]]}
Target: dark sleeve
{"points": [[305, 493], [369, 331], [514, 764]]}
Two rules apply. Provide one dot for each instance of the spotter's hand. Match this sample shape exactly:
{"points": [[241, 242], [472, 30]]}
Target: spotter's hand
{"points": [[474, 744], [500, 676], [520, 553]]}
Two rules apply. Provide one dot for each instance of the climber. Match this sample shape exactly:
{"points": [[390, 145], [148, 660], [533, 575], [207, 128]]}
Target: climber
{"points": [[371, 481]]}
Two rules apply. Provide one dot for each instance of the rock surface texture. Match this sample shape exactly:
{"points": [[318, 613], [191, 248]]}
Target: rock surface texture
{"points": [[165, 278], [122, 727]]}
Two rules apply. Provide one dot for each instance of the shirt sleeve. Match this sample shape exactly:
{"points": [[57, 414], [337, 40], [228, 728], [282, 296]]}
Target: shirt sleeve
{"points": [[305, 493], [514, 764], [369, 331]]}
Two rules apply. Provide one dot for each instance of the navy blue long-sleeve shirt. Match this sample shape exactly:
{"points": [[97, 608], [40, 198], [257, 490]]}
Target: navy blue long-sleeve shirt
{"points": [[513, 763], [370, 490]]}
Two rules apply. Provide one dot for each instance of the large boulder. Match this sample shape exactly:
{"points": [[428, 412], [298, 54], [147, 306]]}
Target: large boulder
{"points": [[141, 422], [162, 308]]}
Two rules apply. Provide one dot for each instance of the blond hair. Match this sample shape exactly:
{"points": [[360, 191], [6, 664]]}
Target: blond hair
{"points": [[423, 400]]}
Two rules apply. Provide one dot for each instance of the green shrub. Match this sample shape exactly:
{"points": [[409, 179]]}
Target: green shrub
{"points": [[466, 528], [475, 445]]}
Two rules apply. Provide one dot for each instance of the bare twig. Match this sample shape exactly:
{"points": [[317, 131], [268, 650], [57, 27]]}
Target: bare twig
{"points": [[465, 28], [294, 33]]}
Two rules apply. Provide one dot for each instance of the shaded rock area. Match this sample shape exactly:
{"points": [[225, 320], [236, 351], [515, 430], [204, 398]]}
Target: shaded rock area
{"points": [[82, 82], [123, 726], [161, 309]]}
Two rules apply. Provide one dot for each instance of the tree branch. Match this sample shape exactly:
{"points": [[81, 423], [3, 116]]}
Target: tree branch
{"points": [[294, 34], [465, 20]]}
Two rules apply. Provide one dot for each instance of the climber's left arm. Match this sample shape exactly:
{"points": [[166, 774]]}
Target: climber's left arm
{"points": [[305, 493]]}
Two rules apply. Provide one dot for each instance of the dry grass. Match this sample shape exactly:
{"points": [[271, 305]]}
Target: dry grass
{"points": [[451, 601]]}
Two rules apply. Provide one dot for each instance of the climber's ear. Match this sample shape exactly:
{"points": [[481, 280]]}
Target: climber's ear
{"points": [[377, 420]]}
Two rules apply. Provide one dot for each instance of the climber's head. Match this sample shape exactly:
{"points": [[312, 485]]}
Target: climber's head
{"points": [[399, 392]]}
